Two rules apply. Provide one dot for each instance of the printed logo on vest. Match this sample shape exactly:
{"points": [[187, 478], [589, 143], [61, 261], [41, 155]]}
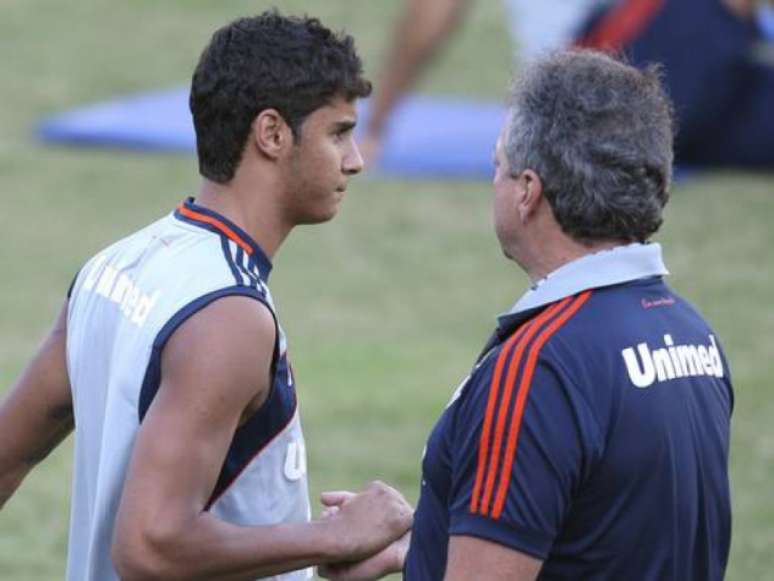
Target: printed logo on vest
{"points": [[671, 362], [295, 460], [108, 281]]}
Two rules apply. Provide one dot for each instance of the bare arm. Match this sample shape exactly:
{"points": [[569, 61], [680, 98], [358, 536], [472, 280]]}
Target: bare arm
{"points": [[213, 367], [421, 30], [469, 558], [37, 414], [473, 558]]}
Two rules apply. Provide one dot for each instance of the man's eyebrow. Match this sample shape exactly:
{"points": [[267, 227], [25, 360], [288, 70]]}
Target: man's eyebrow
{"points": [[342, 126]]}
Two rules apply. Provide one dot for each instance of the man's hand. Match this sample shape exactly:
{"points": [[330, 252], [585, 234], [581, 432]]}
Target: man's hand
{"points": [[367, 523], [389, 560]]}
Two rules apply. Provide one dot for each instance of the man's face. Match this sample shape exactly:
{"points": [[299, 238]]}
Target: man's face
{"points": [[323, 158], [504, 206]]}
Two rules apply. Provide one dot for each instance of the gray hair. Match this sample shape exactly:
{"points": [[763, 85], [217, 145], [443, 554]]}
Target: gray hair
{"points": [[599, 134]]}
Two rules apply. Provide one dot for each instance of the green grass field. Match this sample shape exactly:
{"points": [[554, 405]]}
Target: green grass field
{"points": [[385, 308]]}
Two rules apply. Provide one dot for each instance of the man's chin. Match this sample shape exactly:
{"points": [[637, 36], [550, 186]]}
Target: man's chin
{"points": [[320, 218]]}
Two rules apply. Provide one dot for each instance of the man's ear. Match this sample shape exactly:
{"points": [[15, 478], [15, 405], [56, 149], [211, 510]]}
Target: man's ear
{"points": [[271, 134], [529, 195]]}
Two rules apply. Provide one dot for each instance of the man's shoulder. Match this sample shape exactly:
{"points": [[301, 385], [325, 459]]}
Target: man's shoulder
{"points": [[162, 275], [526, 352], [584, 334], [626, 310], [579, 341], [639, 308]]}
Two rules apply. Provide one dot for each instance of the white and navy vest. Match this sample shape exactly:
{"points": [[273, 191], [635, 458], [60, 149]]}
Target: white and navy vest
{"points": [[124, 305]]}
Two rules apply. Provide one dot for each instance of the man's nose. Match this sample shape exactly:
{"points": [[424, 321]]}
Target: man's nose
{"points": [[353, 161]]}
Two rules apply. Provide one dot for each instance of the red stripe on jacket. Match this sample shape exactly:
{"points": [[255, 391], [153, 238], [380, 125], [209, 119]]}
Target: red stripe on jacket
{"points": [[622, 24], [521, 400], [488, 462]]}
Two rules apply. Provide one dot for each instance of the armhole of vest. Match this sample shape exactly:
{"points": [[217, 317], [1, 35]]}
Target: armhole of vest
{"points": [[72, 285], [71, 295], [152, 379]]}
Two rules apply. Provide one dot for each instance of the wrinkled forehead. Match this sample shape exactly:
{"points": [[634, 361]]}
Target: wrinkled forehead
{"points": [[504, 136], [505, 130]]}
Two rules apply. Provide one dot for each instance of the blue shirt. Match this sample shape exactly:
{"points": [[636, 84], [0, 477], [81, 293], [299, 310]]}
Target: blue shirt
{"points": [[592, 433]]}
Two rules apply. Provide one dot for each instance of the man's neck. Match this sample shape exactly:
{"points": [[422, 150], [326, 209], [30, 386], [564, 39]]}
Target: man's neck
{"points": [[551, 257], [251, 207]]}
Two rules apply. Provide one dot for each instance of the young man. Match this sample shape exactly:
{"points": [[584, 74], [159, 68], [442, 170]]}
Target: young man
{"points": [[168, 355], [590, 440]]}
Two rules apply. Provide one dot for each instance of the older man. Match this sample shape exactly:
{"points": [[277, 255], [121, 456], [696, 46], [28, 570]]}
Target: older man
{"points": [[590, 440]]}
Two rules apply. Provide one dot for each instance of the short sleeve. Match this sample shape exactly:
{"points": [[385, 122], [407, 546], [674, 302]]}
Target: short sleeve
{"points": [[524, 438]]}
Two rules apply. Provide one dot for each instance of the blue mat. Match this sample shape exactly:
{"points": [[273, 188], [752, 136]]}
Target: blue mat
{"points": [[428, 137]]}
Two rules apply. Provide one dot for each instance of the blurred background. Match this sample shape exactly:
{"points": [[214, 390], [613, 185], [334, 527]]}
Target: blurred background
{"points": [[385, 308]]}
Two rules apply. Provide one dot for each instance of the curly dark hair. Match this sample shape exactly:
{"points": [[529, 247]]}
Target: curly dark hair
{"points": [[291, 64], [599, 134]]}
